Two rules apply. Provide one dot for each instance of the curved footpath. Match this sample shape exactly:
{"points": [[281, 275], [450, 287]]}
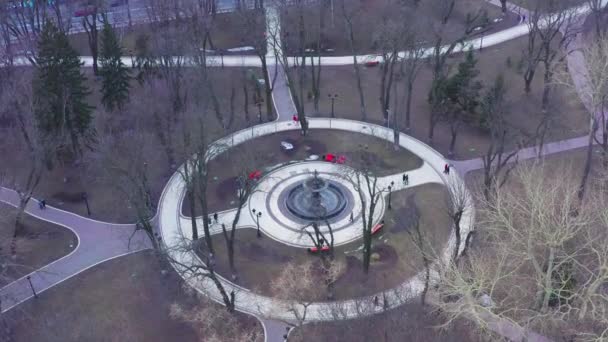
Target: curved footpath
{"points": [[254, 61], [174, 236], [97, 242]]}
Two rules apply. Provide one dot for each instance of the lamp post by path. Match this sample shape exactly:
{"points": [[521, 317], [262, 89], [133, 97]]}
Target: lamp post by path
{"points": [[29, 279], [86, 202], [259, 104], [333, 98], [390, 190], [257, 215]]}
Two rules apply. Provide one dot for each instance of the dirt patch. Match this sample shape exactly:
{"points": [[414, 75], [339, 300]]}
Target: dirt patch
{"points": [[410, 322], [226, 30], [38, 243], [522, 111], [259, 260], [265, 152], [64, 185], [369, 14], [125, 299]]}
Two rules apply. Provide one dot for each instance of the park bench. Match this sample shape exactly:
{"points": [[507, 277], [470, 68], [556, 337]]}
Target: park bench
{"points": [[316, 249], [377, 228]]}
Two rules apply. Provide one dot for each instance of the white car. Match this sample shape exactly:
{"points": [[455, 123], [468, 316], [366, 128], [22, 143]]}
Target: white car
{"points": [[286, 146]]}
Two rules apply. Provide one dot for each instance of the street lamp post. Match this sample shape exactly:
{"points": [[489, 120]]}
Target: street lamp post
{"points": [[86, 202], [257, 215], [390, 190], [259, 104], [333, 98], [29, 279]]}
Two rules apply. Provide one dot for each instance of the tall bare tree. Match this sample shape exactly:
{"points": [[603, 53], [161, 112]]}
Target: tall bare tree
{"points": [[349, 14], [594, 93], [527, 275]]}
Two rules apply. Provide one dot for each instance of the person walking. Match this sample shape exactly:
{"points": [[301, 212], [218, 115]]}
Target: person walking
{"points": [[446, 169], [215, 217], [42, 204], [406, 179], [352, 217]]}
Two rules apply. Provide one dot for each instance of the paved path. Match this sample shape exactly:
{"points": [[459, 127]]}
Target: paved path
{"points": [[175, 236], [97, 242], [281, 96], [253, 61], [578, 71], [275, 330], [100, 241]]}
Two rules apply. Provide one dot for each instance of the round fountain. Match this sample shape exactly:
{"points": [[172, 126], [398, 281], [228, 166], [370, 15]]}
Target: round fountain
{"points": [[316, 199]]}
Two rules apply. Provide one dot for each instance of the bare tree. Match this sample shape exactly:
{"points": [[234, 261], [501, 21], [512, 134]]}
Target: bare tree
{"points": [[251, 21], [496, 158], [245, 188], [36, 148], [370, 192], [89, 23], [199, 269], [551, 26], [389, 38], [598, 14], [213, 324], [594, 93], [458, 204], [410, 65], [296, 286], [539, 259], [129, 173], [438, 60], [349, 15]]}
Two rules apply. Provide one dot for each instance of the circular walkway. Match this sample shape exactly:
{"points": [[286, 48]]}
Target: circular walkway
{"points": [[175, 231]]}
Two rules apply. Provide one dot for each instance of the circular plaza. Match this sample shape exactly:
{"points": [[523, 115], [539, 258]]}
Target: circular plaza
{"points": [[303, 188]]}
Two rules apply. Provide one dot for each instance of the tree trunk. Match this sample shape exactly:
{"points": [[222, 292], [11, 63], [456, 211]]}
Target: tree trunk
{"points": [[528, 77], [246, 103], [408, 106], [192, 203], [548, 285], [267, 89], [457, 216], [588, 159], [454, 131], [432, 123]]}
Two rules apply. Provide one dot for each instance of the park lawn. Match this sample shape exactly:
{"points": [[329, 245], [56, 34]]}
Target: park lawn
{"points": [[366, 22], [569, 117], [38, 243], [124, 299], [259, 260], [411, 322], [265, 152], [64, 185], [227, 32]]}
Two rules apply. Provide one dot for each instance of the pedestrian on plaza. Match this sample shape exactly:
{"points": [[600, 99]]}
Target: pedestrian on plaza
{"points": [[215, 217], [446, 169], [42, 204], [375, 300], [352, 217], [406, 179]]}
